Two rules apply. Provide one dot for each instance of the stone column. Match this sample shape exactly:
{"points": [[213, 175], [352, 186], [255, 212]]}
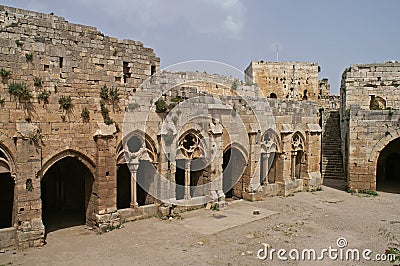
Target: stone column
{"points": [[187, 179], [134, 167], [265, 167], [28, 205], [293, 165]]}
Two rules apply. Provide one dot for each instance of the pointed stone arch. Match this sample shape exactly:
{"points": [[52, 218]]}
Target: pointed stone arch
{"points": [[270, 149], [80, 156], [66, 184]]}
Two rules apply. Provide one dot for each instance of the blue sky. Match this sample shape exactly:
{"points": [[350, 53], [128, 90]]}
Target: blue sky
{"points": [[334, 34]]}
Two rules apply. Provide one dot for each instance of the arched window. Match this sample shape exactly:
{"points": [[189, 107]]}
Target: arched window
{"points": [[273, 96], [298, 157]]}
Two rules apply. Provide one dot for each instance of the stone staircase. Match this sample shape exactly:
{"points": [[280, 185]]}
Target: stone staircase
{"points": [[332, 163]]}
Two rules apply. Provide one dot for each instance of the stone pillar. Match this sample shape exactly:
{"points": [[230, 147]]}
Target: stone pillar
{"points": [[293, 165], [28, 209], [187, 179], [103, 212], [216, 173], [134, 167], [265, 167]]}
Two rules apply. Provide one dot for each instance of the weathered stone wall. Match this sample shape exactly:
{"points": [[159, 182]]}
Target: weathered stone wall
{"points": [[329, 102], [48, 55], [365, 132], [360, 82], [369, 133], [45, 61], [287, 80], [324, 87]]}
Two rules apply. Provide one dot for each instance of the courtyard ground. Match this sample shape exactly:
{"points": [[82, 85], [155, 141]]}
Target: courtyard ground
{"points": [[307, 220]]}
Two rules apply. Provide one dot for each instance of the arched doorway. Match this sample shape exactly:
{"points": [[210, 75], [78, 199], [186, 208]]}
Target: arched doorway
{"points": [[388, 168], [233, 166], [66, 190], [6, 192]]}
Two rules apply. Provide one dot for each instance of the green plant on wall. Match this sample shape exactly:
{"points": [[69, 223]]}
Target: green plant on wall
{"points": [[85, 115], [29, 57], [65, 102], [36, 138], [234, 84], [37, 81], [19, 43], [4, 73], [161, 106], [114, 95], [20, 91], [105, 113], [104, 92], [44, 96]]}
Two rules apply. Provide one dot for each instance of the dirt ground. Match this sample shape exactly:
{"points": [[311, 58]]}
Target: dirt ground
{"points": [[303, 221]]}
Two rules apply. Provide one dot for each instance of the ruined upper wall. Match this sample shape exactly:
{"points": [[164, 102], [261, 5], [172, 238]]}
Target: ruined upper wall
{"points": [[50, 55], [286, 80], [360, 82]]}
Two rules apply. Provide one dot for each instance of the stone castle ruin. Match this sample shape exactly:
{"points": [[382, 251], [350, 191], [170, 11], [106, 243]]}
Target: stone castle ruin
{"points": [[92, 132]]}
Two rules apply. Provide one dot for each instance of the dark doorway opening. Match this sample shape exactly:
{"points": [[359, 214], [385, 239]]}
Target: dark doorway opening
{"points": [[233, 166], [66, 189], [6, 199], [298, 165], [123, 186], [198, 178], [145, 183], [388, 168], [180, 179]]}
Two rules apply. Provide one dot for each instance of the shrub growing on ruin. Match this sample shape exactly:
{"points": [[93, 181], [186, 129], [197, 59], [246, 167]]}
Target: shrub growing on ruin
{"points": [[85, 115], [104, 112], [19, 43], [114, 95], [37, 81], [108, 121], [29, 57], [235, 84], [44, 96], [20, 91], [104, 92], [4, 73], [161, 106], [103, 109], [65, 102]]}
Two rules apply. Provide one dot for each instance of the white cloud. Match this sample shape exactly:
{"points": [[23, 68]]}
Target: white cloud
{"points": [[214, 17]]}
